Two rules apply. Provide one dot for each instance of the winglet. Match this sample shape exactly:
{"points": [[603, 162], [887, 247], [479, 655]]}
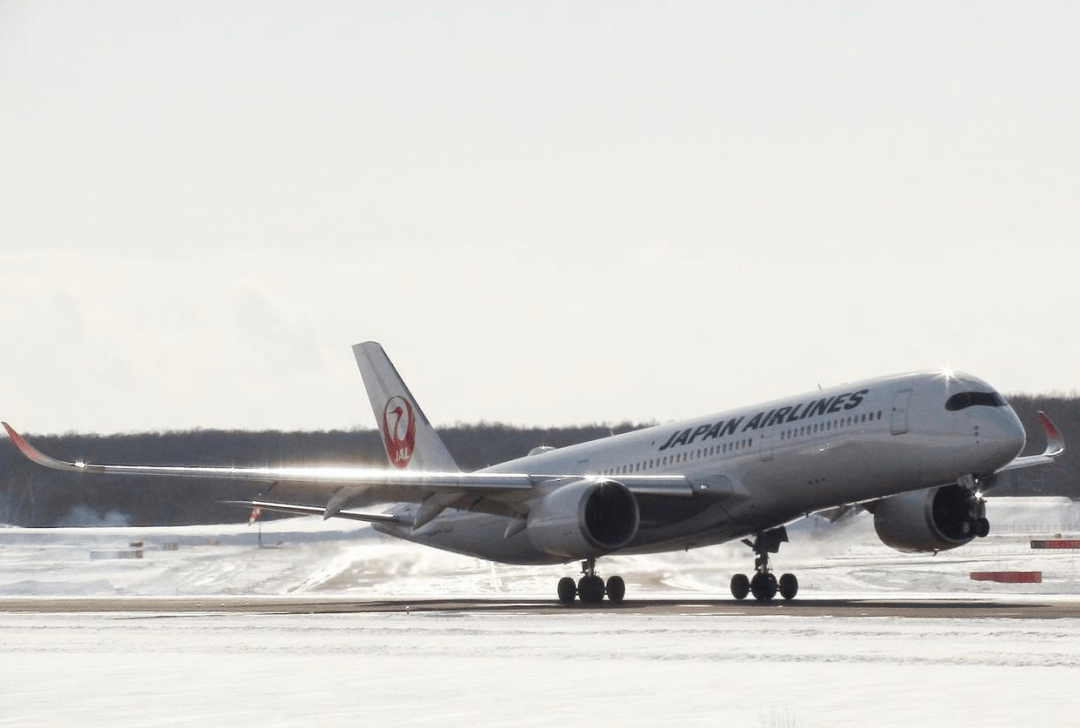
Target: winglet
{"points": [[1055, 442], [1055, 445], [32, 453]]}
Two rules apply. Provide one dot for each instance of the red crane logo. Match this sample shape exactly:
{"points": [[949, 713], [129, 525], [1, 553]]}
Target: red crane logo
{"points": [[399, 431]]}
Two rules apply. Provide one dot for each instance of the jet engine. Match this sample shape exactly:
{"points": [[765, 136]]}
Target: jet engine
{"points": [[584, 519], [936, 519]]}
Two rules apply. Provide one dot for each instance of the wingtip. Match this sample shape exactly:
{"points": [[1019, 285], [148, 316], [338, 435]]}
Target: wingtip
{"points": [[32, 453], [16, 438], [1055, 441]]}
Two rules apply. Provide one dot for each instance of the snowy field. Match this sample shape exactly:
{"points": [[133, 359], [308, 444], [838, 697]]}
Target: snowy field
{"points": [[581, 668]]}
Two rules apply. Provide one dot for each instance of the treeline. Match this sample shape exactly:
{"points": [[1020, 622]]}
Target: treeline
{"points": [[34, 496]]}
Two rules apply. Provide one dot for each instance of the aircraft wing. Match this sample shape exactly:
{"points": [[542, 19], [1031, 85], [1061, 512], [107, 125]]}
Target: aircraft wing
{"points": [[498, 493], [1055, 445]]}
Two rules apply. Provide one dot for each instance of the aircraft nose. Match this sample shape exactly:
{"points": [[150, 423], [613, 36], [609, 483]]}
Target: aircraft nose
{"points": [[1008, 436]]}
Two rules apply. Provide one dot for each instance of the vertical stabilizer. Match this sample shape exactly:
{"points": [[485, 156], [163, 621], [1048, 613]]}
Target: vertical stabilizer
{"points": [[410, 440]]}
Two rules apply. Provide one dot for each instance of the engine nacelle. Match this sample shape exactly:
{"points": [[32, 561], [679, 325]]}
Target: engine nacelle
{"points": [[584, 519], [936, 519]]}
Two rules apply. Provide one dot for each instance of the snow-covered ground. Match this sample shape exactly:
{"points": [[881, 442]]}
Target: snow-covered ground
{"points": [[310, 556], [579, 668]]}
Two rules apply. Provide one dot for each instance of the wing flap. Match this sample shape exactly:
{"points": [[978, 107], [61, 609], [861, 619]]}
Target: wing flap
{"points": [[302, 510]]}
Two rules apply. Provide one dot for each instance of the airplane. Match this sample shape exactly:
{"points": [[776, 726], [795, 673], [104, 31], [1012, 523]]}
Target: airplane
{"points": [[916, 450]]}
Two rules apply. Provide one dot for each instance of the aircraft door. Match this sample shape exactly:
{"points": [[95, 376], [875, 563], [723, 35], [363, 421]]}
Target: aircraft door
{"points": [[766, 443], [900, 412]]}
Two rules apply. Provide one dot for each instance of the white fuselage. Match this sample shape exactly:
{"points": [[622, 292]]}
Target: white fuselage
{"points": [[767, 464]]}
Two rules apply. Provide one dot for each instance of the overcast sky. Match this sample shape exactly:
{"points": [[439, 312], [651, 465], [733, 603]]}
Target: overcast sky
{"points": [[547, 212]]}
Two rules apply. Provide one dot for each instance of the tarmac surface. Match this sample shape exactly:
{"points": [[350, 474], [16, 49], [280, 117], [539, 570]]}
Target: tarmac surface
{"points": [[929, 608]]}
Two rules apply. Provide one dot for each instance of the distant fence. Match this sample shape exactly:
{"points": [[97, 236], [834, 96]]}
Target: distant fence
{"points": [[99, 555], [1001, 527]]}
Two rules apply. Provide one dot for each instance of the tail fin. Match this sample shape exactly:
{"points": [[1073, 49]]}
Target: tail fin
{"points": [[410, 440]]}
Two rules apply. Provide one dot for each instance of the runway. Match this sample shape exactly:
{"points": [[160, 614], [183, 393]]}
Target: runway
{"points": [[487, 663], [937, 608]]}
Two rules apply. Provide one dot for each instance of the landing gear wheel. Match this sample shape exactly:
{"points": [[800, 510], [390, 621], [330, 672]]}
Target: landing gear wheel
{"points": [[616, 589], [789, 587], [740, 586], [590, 589], [567, 590], [982, 527], [763, 586]]}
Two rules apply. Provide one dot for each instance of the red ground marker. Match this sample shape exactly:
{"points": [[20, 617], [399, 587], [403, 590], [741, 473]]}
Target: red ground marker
{"points": [[1008, 577]]}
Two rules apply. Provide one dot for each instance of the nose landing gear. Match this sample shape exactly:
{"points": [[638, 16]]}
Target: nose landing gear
{"points": [[975, 523], [590, 588], [764, 585]]}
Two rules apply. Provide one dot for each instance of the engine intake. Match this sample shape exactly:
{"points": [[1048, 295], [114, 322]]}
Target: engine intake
{"points": [[584, 519], [936, 519]]}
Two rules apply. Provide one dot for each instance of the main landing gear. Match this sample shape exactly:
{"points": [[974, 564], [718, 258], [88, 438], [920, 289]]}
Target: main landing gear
{"points": [[590, 588], [764, 585]]}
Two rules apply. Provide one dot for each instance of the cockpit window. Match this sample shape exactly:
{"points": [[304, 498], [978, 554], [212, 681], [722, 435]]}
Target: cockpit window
{"points": [[963, 400]]}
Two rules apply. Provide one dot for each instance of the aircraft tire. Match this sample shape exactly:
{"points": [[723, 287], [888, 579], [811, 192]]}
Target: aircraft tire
{"points": [[763, 587], [740, 586], [982, 527], [590, 589], [616, 589], [789, 587], [567, 590]]}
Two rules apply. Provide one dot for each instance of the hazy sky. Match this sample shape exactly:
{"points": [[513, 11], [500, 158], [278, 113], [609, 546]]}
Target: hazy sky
{"points": [[548, 213]]}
